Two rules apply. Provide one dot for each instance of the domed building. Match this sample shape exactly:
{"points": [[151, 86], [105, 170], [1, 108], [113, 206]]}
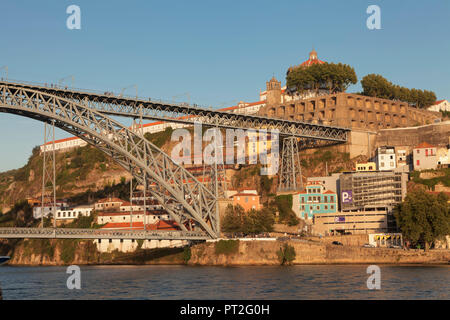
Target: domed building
{"points": [[274, 93], [312, 60]]}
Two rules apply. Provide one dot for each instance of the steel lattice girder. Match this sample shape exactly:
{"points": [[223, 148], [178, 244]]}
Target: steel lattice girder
{"points": [[184, 113], [177, 190], [68, 233]]}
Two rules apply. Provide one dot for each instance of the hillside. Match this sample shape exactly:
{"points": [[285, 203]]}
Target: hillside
{"points": [[87, 170]]}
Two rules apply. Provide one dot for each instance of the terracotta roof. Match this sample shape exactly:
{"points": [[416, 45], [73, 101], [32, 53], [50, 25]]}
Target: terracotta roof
{"points": [[310, 62], [329, 191], [424, 145], [242, 194], [104, 200], [63, 140], [439, 101]]}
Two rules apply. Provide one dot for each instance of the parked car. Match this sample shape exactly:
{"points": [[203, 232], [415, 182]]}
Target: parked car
{"points": [[337, 243], [368, 245], [392, 246]]}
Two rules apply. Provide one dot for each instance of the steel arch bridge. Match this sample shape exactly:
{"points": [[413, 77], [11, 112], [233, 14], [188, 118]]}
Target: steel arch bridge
{"points": [[187, 201]]}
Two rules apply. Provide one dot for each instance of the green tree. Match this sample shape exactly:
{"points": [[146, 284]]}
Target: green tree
{"points": [[423, 217], [329, 76], [374, 85], [286, 254], [251, 222]]}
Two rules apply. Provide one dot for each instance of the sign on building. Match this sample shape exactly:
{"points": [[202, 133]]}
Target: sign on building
{"points": [[347, 196]]}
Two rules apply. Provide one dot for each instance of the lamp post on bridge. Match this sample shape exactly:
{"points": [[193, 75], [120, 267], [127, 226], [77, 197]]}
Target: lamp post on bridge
{"points": [[6, 71]]}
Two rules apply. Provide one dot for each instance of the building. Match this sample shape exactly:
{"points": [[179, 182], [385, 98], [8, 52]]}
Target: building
{"points": [[352, 111], [109, 204], [386, 159], [131, 245], [358, 222], [47, 209], [368, 166], [424, 157], [74, 213], [131, 218], [402, 157], [368, 190], [386, 239], [247, 200], [329, 182], [441, 105], [315, 199], [443, 155]]}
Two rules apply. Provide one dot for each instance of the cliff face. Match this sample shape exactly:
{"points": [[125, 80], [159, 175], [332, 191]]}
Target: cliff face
{"points": [[69, 252], [265, 253]]}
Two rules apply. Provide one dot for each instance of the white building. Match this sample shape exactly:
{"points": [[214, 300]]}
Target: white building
{"points": [[127, 245], [67, 214], [48, 209], [132, 217], [441, 105], [64, 144], [386, 159]]}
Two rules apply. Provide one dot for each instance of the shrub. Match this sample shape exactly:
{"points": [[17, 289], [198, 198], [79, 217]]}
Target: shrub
{"points": [[187, 254], [227, 247], [286, 254]]}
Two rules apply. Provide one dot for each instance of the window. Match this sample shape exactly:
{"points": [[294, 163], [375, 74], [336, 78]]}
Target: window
{"points": [[332, 207], [392, 157], [331, 198], [391, 164], [303, 200], [426, 152], [326, 207], [318, 207], [325, 199], [110, 240], [382, 164], [418, 162], [246, 199], [418, 151]]}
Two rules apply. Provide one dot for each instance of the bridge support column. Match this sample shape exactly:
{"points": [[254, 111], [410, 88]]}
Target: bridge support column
{"points": [[49, 172], [290, 177]]}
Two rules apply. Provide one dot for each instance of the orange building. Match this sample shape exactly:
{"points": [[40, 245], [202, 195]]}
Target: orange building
{"points": [[247, 201]]}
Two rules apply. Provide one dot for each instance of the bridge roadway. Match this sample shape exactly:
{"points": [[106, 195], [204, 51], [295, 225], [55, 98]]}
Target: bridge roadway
{"points": [[134, 107], [66, 233]]}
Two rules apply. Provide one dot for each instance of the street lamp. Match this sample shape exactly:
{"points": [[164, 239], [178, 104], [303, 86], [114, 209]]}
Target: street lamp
{"points": [[6, 71]]}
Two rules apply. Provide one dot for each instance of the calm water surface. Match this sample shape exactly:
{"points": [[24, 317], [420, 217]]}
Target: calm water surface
{"points": [[184, 282]]}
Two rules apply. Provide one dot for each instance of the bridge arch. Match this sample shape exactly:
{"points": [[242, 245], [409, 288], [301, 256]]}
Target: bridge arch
{"points": [[177, 190]]}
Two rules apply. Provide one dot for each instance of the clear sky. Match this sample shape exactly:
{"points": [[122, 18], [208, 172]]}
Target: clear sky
{"points": [[220, 52]]}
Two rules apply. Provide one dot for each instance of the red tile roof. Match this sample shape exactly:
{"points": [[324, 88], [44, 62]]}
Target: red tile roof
{"points": [[424, 145], [439, 101], [329, 191]]}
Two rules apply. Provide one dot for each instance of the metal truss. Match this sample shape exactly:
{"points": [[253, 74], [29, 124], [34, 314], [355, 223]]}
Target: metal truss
{"points": [[183, 113], [67, 233], [185, 199], [291, 170], [49, 171]]}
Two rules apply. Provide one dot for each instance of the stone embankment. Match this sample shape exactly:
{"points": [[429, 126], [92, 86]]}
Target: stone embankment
{"points": [[308, 252]]}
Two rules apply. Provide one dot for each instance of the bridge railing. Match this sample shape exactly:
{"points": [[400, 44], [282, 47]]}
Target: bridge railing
{"points": [[68, 233]]}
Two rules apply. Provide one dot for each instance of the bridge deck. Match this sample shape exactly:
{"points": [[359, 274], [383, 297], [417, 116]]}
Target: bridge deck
{"points": [[120, 105], [66, 233]]}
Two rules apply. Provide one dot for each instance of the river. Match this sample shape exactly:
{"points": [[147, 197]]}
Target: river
{"points": [[186, 282]]}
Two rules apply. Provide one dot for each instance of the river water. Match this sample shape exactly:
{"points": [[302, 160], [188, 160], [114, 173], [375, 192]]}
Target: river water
{"points": [[186, 282]]}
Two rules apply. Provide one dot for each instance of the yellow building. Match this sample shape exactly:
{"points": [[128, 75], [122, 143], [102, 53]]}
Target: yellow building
{"points": [[368, 166]]}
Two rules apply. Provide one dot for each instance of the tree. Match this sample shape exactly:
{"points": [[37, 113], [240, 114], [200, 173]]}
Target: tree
{"points": [[251, 222], [374, 85], [327, 76], [423, 217], [286, 254]]}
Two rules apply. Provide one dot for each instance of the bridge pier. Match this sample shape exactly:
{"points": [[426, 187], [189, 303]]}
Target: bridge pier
{"points": [[290, 177]]}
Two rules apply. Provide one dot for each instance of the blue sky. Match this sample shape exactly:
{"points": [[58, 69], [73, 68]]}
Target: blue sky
{"points": [[218, 52]]}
